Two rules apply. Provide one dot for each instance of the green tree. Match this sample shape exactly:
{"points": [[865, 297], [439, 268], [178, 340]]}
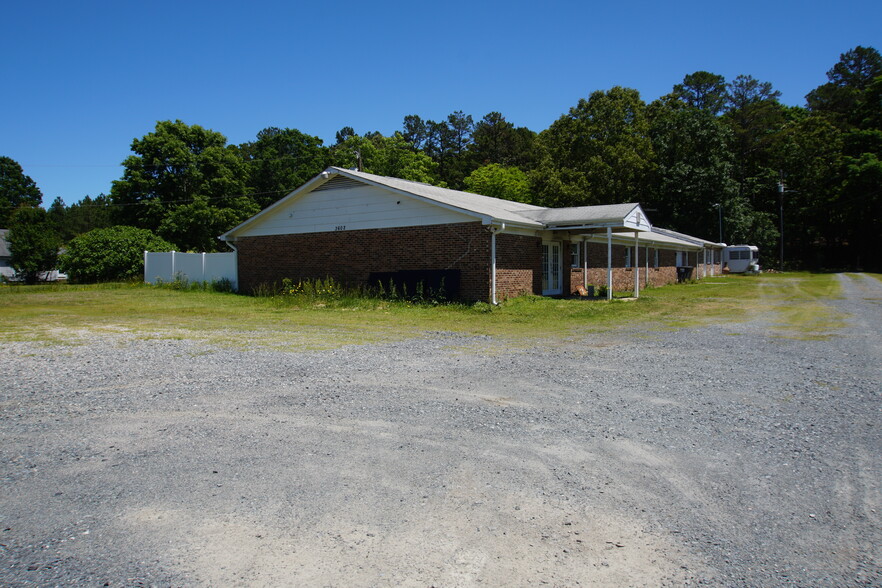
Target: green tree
{"points": [[695, 170], [439, 146], [343, 134], [446, 142], [82, 216], [16, 189], [495, 140], [414, 131], [831, 160], [755, 117], [499, 181], [33, 243], [852, 90], [386, 156], [185, 183], [281, 160], [702, 90], [110, 254], [598, 153]]}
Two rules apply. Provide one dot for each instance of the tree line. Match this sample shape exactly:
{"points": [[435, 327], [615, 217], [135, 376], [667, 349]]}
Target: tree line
{"points": [[719, 159]]}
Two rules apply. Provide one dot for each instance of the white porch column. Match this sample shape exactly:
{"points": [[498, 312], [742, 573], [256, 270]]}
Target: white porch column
{"points": [[493, 266], [636, 264], [609, 285], [585, 263]]}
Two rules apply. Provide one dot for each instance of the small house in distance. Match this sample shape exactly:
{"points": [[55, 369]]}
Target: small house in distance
{"points": [[360, 229]]}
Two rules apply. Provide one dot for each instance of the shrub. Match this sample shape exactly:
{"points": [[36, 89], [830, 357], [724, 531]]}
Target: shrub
{"points": [[115, 253]]}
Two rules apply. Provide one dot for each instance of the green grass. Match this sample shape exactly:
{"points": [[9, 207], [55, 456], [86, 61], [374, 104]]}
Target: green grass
{"points": [[68, 314], [799, 299]]}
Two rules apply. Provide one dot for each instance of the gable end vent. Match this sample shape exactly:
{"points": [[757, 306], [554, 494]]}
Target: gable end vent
{"points": [[339, 183]]}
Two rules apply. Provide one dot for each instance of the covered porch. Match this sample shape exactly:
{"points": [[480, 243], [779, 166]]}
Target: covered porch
{"points": [[611, 224]]}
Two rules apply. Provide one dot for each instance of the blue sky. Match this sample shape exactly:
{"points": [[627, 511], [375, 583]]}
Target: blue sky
{"points": [[80, 80]]}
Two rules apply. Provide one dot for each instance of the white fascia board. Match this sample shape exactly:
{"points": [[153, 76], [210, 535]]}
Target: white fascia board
{"points": [[304, 189], [612, 224], [648, 241], [513, 224]]}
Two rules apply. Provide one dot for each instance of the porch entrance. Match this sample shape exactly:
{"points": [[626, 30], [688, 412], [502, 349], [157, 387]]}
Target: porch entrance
{"points": [[552, 283]]}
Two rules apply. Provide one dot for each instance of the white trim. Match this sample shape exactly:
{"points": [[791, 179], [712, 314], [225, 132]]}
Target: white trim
{"points": [[493, 266], [636, 264], [585, 263], [609, 280], [548, 265]]}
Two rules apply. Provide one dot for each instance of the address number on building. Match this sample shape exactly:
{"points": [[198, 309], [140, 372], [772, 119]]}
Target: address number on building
{"points": [[340, 228]]}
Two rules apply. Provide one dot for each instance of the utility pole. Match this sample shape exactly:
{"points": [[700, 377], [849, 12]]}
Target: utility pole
{"points": [[719, 207], [781, 220]]}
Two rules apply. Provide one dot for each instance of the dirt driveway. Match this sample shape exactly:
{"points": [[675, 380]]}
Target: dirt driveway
{"points": [[723, 455]]}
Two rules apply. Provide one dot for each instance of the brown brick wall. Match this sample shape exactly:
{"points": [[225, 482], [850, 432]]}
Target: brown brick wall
{"points": [[623, 278], [518, 265], [351, 256]]}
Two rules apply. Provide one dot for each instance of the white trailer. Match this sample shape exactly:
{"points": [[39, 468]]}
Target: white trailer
{"points": [[741, 259]]}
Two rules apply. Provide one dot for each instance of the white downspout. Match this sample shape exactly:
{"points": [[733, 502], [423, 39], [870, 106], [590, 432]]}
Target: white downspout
{"points": [[235, 265], [609, 287]]}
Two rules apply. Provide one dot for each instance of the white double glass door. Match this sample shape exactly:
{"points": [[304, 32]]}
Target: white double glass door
{"points": [[552, 282]]}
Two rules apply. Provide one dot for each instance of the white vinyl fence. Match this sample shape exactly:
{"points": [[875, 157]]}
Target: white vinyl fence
{"points": [[193, 267]]}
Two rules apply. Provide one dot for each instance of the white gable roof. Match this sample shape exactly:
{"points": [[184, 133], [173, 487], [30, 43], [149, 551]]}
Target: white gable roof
{"points": [[459, 205], [484, 206]]}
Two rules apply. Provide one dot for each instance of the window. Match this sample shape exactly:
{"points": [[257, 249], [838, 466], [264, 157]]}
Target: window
{"points": [[655, 259], [627, 257], [574, 255]]}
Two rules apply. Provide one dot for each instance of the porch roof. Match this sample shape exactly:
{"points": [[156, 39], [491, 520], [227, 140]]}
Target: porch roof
{"points": [[688, 238]]}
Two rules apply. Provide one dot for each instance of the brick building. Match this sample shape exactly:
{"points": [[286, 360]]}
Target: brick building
{"points": [[360, 228]]}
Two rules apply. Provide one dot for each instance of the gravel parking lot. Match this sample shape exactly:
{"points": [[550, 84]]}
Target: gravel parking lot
{"points": [[720, 455]]}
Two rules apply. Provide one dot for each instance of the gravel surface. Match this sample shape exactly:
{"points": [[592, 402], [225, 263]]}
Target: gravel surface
{"points": [[720, 455]]}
